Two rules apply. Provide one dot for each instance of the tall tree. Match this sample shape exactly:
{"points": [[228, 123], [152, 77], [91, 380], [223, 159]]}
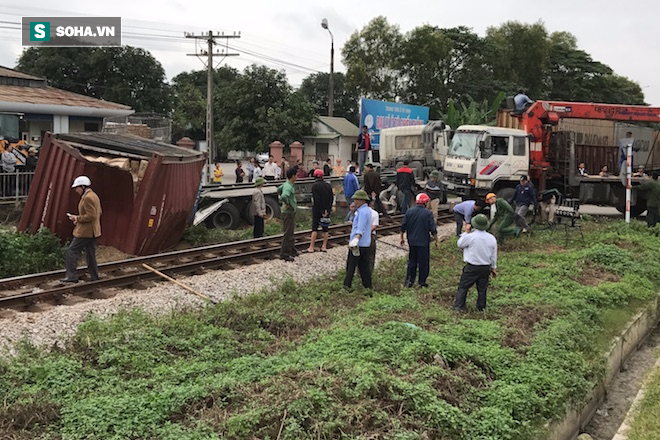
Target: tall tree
{"points": [[127, 75], [521, 54], [315, 89], [260, 107], [372, 58]]}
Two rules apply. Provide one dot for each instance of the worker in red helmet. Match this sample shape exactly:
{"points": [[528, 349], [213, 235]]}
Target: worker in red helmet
{"points": [[418, 223]]}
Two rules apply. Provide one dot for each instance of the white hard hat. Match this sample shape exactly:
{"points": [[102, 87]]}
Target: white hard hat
{"points": [[81, 181]]}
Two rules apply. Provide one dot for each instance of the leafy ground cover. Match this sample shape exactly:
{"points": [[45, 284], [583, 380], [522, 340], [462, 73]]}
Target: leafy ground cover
{"points": [[311, 361], [645, 425]]}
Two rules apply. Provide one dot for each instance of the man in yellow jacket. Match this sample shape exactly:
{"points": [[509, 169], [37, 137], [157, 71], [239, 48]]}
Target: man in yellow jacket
{"points": [[87, 228]]}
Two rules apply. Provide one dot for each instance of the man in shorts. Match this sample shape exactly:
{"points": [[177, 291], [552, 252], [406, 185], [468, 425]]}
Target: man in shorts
{"points": [[323, 197]]}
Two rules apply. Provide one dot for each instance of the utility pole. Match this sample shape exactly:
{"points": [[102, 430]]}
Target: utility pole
{"points": [[210, 132]]}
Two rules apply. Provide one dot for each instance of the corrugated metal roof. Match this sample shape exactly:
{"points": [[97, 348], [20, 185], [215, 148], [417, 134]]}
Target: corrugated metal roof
{"points": [[127, 143], [53, 96], [341, 125], [11, 73]]}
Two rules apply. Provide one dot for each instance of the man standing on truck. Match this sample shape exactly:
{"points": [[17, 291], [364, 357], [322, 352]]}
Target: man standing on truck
{"points": [[270, 169], [362, 147], [524, 196], [522, 101], [405, 182], [289, 205], [503, 217]]}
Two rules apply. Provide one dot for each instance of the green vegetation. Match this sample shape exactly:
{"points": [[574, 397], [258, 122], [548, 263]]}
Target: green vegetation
{"points": [[200, 235], [645, 422], [311, 361], [25, 253]]}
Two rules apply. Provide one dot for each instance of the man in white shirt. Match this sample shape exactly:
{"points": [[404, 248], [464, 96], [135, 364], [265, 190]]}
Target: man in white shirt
{"points": [[270, 169], [480, 256]]}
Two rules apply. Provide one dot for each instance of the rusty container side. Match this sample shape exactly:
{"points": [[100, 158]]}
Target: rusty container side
{"points": [[51, 195], [506, 120], [170, 183], [164, 203]]}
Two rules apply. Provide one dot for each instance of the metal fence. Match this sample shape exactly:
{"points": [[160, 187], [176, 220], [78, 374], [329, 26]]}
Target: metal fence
{"points": [[15, 186]]}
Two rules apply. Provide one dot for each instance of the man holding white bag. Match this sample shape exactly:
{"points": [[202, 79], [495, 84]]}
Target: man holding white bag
{"points": [[360, 240]]}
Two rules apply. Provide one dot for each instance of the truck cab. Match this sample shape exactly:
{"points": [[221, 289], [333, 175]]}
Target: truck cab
{"points": [[424, 146], [483, 159]]}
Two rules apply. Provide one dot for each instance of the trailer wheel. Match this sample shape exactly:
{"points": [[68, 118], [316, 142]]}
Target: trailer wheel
{"points": [[226, 217], [505, 193]]}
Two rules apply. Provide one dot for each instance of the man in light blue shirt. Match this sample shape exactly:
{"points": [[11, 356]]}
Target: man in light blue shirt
{"points": [[480, 256], [463, 213], [360, 240], [522, 101]]}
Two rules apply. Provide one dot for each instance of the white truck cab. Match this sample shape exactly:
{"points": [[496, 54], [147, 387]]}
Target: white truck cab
{"points": [[483, 159]]}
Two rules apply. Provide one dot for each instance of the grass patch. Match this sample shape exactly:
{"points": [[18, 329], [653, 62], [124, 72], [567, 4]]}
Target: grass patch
{"points": [[645, 424], [312, 361]]}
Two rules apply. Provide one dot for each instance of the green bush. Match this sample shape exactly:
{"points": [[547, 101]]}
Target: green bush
{"points": [[24, 253]]}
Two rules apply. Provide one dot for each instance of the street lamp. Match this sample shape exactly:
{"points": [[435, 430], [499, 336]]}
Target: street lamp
{"points": [[331, 91]]}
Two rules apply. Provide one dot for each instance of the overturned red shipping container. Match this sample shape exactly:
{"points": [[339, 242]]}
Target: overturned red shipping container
{"points": [[147, 189]]}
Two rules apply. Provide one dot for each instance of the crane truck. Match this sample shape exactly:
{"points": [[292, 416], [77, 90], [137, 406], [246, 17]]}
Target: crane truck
{"points": [[483, 159]]}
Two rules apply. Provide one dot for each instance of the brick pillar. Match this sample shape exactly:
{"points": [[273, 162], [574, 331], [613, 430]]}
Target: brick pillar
{"points": [[277, 151], [296, 152]]}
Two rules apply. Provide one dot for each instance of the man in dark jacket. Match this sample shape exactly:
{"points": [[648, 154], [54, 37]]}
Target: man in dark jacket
{"points": [[321, 205], [362, 148], [524, 197], [372, 185], [419, 224], [405, 182]]}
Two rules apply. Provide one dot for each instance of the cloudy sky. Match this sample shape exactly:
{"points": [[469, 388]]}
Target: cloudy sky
{"points": [[287, 34]]}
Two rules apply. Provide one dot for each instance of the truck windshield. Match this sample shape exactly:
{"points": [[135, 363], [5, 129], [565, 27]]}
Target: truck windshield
{"points": [[465, 144], [9, 127]]}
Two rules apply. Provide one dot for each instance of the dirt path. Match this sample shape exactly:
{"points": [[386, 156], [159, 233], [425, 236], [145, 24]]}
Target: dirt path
{"points": [[624, 388]]}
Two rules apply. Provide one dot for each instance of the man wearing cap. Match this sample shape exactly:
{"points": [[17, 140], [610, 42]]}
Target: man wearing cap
{"points": [[287, 194], [86, 229], [258, 208], [435, 191], [31, 160], [503, 214], [419, 224], [360, 240], [523, 197], [405, 182], [322, 198], [463, 213], [480, 257]]}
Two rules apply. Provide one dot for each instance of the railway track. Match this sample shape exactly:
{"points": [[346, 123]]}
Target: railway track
{"points": [[25, 291]]}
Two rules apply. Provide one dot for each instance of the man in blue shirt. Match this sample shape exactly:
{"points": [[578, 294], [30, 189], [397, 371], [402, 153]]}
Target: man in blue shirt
{"points": [[524, 196], [350, 186], [463, 213], [419, 224], [522, 101], [480, 256], [360, 240]]}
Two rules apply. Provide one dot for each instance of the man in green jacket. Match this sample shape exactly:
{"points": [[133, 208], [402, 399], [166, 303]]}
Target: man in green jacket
{"points": [[652, 194], [288, 196], [503, 214]]}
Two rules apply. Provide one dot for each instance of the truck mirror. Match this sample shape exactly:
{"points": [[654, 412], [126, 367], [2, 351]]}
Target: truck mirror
{"points": [[482, 146]]}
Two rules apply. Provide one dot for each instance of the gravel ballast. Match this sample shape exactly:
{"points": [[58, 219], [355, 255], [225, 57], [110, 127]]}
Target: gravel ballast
{"points": [[52, 325]]}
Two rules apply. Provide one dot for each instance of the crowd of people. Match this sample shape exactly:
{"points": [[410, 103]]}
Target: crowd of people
{"points": [[15, 174]]}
